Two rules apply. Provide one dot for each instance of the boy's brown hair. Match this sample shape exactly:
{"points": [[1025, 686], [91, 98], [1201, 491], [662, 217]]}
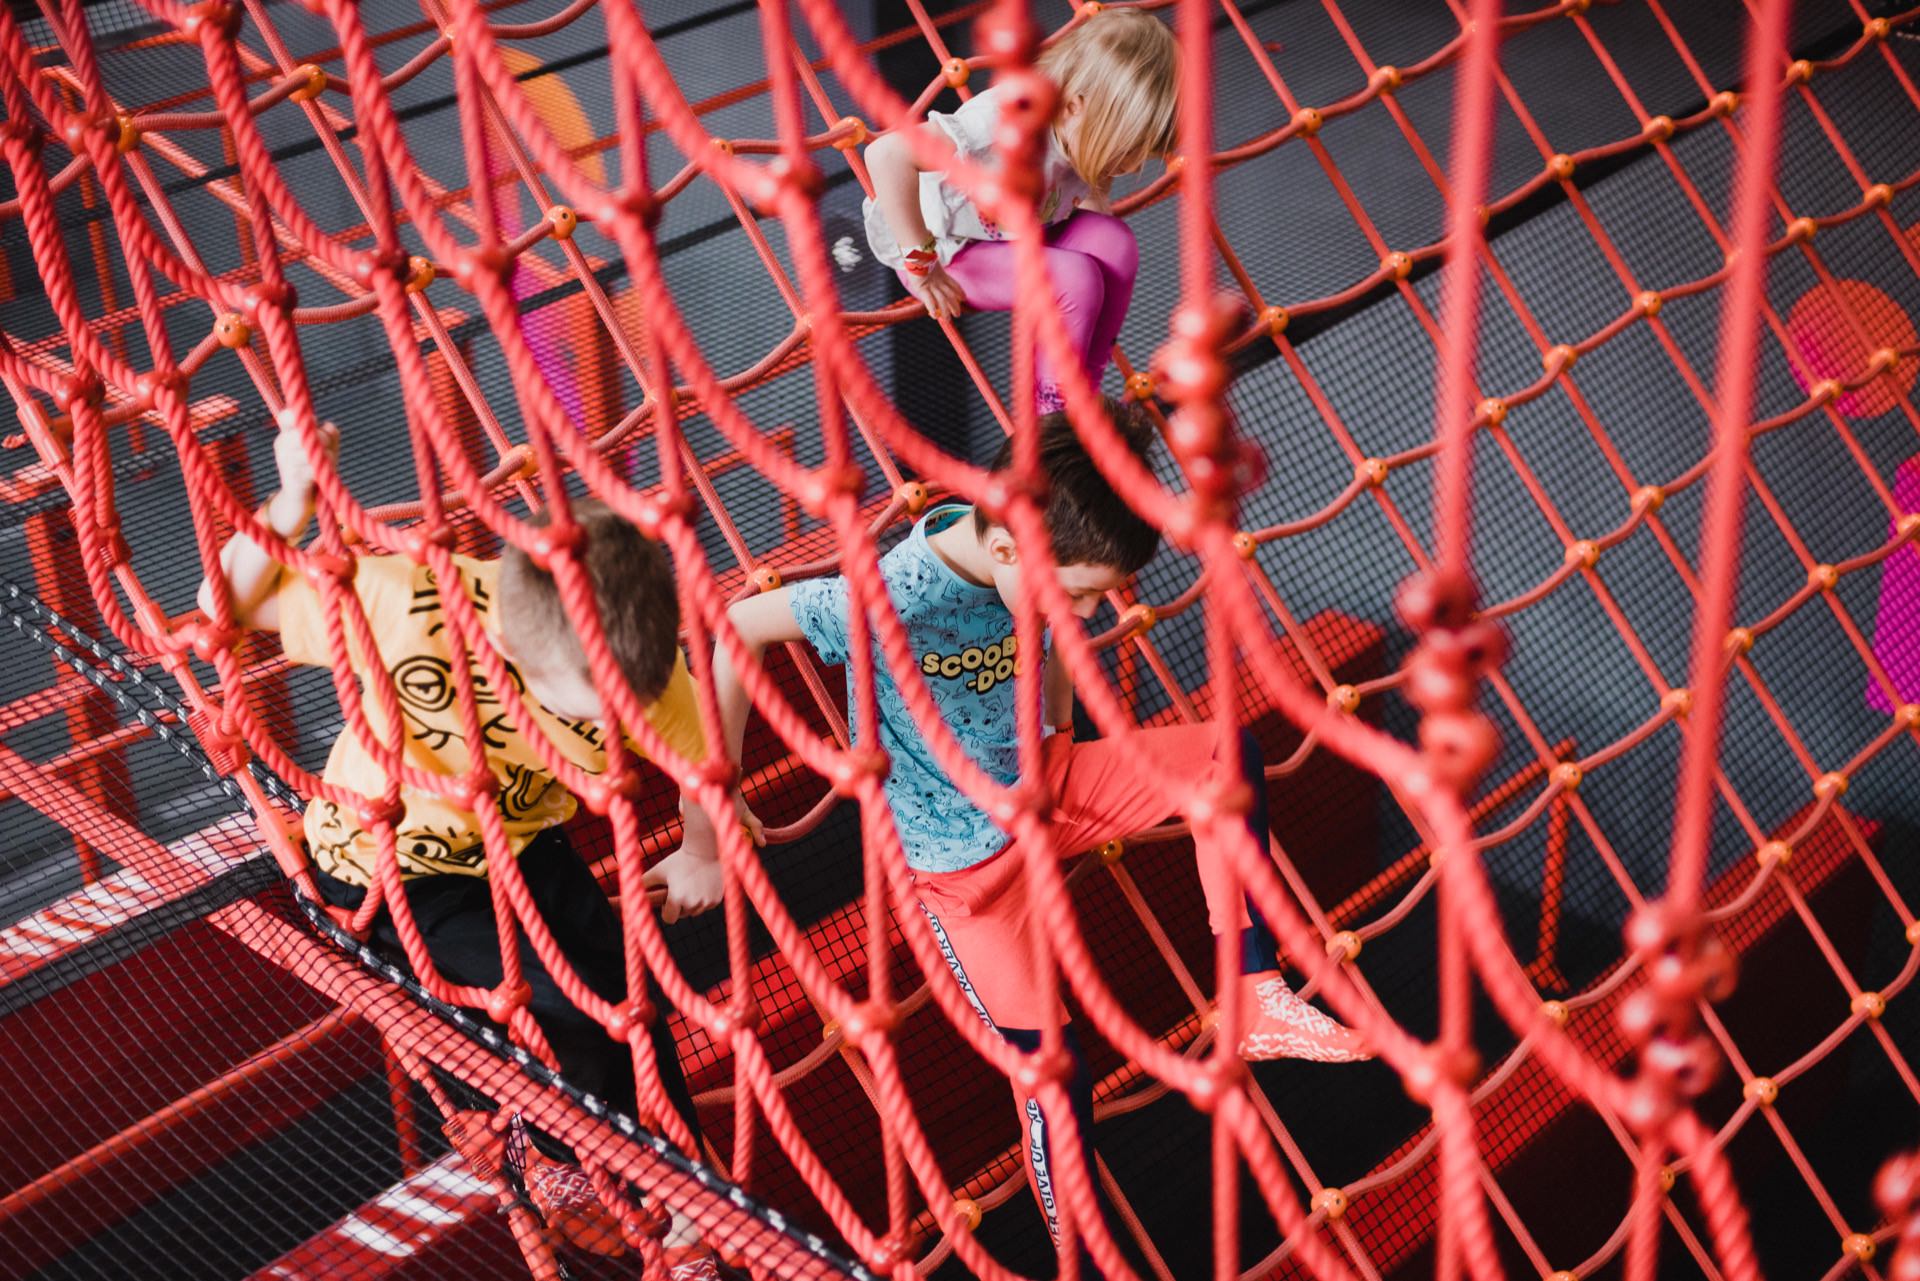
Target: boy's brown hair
{"points": [[632, 584], [1089, 523]]}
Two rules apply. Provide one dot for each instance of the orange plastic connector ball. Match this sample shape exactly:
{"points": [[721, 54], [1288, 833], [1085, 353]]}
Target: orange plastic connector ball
{"points": [[829, 1029], [1657, 129], [1559, 356], [955, 73], [1575, 7], [1869, 1005], [420, 273], [1877, 196], [1649, 302], [1802, 228], [1344, 946], [1726, 102], [1762, 1090], [1494, 411], [913, 497], [232, 331], [1774, 853], [1275, 320], [1830, 785], [1330, 1201], [969, 1211], [1561, 166], [1677, 701], [1554, 1012], [1139, 618], [1908, 525], [1799, 72], [1385, 79], [855, 135], [1876, 29], [1822, 577], [1397, 265], [1882, 360], [1245, 545], [1583, 553], [313, 82], [1344, 698], [562, 221], [1740, 640], [1140, 385], [1649, 497], [1860, 1246], [1371, 472], [1825, 390], [723, 145], [765, 578], [1563, 1275], [1668, 1178], [126, 134], [1307, 121], [1569, 776], [1113, 851]]}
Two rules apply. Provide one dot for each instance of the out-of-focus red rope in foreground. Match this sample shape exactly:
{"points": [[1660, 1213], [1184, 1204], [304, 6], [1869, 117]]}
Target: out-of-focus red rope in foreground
{"points": [[75, 392]]}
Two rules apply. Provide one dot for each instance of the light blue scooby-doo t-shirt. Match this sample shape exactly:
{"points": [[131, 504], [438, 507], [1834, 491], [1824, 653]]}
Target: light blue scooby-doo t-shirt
{"points": [[962, 637]]}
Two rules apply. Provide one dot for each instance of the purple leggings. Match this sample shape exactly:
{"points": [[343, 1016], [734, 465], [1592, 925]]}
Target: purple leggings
{"points": [[1091, 261], [1896, 637]]}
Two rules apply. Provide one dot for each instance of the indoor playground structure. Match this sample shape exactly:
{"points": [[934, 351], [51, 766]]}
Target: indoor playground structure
{"points": [[1538, 466]]}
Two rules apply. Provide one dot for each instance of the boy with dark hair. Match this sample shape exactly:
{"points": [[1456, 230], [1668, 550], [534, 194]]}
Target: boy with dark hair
{"points": [[442, 861], [954, 581]]}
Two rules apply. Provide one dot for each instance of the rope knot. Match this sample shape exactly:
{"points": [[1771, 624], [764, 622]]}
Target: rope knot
{"points": [[393, 261], [630, 1018], [1007, 34], [25, 133], [215, 19], [1042, 1067], [1897, 1192], [549, 541], [855, 764], [1003, 487], [375, 812], [504, 1000], [822, 485], [273, 295]]}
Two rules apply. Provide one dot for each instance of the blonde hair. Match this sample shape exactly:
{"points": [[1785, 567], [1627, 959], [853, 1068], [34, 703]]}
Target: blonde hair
{"points": [[1123, 66]]}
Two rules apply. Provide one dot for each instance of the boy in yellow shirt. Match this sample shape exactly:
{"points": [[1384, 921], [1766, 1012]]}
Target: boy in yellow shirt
{"points": [[442, 860]]}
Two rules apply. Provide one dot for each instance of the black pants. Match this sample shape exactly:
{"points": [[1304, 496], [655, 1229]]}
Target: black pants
{"points": [[455, 918]]}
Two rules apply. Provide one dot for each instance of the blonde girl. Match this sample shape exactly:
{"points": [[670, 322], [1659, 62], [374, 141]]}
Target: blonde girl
{"points": [[1118, 81]]}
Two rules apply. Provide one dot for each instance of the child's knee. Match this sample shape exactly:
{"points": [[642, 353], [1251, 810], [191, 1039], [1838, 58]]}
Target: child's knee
{"points": [[1078, 284], [1122, 249]]}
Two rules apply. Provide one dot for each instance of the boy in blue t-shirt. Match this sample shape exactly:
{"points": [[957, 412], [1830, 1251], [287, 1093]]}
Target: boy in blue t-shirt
{"points": [[954, 581]]}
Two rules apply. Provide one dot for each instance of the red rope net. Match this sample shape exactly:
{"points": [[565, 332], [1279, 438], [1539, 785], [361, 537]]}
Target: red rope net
{"points": [[434, 260]]}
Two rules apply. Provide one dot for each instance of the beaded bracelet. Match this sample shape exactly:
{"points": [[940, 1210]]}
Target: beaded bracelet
{"points": [[918, 262]]}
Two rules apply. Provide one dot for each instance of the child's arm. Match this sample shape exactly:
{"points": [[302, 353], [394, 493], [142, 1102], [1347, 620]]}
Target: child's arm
{"points": [[763, 620], [896, 191], [691, 874], [1057, 692], [252, 574]]}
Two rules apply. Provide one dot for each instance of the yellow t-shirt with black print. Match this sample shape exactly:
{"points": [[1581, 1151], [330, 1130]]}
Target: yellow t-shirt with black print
{"points": [[435, 835]]}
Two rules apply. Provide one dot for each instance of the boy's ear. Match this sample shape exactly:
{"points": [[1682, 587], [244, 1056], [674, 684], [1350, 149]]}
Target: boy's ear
{"points": [[1001, 547]]}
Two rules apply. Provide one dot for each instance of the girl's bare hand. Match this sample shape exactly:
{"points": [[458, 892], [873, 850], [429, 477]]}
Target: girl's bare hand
{"points": [[938, 292]]}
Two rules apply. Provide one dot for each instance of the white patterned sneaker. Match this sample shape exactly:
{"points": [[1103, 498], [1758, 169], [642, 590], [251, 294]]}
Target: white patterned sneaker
{"points": [[1282, 1026]]}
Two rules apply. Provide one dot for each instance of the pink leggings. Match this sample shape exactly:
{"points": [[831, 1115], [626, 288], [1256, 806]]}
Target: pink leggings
{"points": [[1091, 261]]}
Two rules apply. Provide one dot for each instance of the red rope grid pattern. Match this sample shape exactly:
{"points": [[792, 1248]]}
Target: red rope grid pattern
{"points": [[74, 391]]}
